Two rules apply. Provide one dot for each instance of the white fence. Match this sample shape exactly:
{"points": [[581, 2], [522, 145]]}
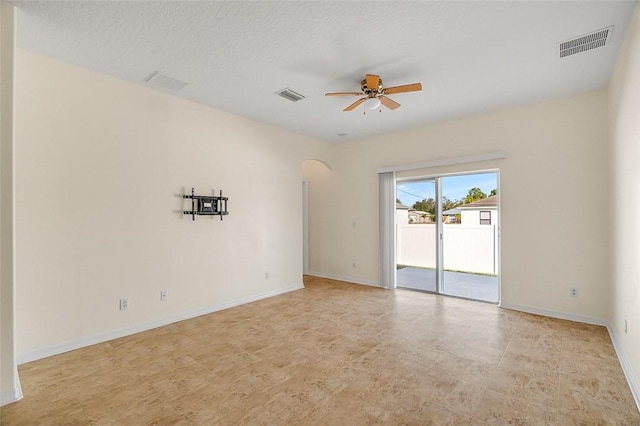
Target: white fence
{"points": [[465, 248]]}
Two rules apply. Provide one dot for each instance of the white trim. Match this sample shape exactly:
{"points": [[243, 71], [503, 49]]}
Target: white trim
{"points": [[445, 162], [103, 337], [632, 378], [10, 396], [555, 314], [13, 395], [305, 227], [439, 242], [349, 280], [387, 228], [8, 16]]}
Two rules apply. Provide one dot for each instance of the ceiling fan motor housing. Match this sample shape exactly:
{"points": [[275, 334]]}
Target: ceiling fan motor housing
{"points": [[370, 92]]}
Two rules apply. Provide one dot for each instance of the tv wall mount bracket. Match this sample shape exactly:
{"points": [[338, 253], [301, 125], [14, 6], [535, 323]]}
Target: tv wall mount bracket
{"points": [[204, 205]]}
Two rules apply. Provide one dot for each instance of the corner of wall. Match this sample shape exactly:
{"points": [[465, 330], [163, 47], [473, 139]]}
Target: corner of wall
{"points": [[627, 368], [10, 390], [624, 206]]}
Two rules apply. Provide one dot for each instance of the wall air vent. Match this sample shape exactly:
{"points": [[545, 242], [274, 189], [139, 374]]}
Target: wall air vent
{"points": [[586, 42], [163, 81], [290, 95]]}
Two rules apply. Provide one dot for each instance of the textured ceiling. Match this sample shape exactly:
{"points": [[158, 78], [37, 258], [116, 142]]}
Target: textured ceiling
{"points": [[470, 57]]}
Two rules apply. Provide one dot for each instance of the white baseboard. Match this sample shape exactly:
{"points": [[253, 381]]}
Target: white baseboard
{"points": [[350, 280], [12, 395], [555, 314], [103, 337], [631, 376]]}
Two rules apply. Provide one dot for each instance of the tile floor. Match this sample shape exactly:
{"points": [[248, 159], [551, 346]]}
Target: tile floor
{"points": [[338, 354]]}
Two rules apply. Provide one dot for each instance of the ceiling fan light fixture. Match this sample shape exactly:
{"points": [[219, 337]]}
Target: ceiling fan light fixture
{"points": [[372, 103]]}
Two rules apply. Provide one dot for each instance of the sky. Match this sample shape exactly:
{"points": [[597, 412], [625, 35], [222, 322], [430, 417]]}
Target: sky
{"points": [[453, 187]]}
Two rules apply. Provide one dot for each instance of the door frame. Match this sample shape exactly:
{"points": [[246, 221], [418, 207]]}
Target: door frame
{"points": [[305, 227], [437, 177]]}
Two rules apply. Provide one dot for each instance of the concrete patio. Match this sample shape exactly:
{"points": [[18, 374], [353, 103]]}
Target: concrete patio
{"points": [[470, 286]]}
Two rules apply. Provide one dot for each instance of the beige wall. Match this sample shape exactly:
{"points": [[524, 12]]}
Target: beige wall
{"points": [[624, 98], [9, 383], [101, 166], [554, 174]]}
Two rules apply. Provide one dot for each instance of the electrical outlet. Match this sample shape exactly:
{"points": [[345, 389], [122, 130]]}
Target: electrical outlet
{"points": [[164, 295], [573, 292], [266, 275], [625, 326], [123, 304]]}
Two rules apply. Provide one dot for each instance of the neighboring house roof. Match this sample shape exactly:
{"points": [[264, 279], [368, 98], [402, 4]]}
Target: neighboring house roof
{"points": [[419, 213], [488, 202], [400, 206], [451, 212]]}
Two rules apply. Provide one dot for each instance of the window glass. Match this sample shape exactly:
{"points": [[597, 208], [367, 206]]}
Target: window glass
{"points": [[485, 218]]}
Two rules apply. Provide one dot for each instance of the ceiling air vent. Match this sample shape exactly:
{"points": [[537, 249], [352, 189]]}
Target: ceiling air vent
{"points": [[163, 81], [290, 94], [586, 42]]}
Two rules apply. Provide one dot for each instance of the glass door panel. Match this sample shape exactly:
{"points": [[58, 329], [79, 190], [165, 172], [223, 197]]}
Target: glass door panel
{"points": [[470, 236], [416, 235]]}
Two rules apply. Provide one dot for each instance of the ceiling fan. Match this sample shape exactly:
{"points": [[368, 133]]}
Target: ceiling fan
{"points": [[375, 94]]}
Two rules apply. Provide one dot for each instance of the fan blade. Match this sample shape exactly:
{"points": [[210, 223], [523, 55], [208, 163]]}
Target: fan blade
{"points": [[344, 94], [388, 102], [355, 104], [373, 81], [415, 87]]}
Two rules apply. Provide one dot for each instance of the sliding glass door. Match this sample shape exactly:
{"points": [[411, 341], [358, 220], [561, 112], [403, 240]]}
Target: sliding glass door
{"points": [[416, 254], [447, 235]]}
